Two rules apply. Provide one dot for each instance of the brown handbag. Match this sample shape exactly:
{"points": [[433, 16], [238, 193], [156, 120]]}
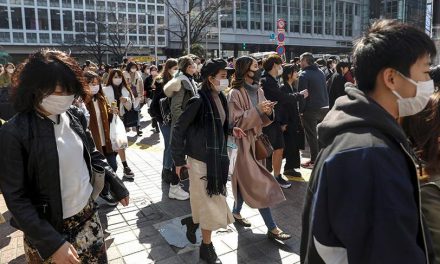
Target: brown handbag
{"points": [[263, 148]]}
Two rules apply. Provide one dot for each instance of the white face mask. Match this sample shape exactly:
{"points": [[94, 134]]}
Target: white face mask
{"points": [[413, 105], [224, 83], [173, 72], [133, 70], [280, 71], [9, 70], [57, 104], [94, 89], [117, 81]]}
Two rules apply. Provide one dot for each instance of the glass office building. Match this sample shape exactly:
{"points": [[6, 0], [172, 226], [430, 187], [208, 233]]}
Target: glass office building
{"points": [[327, 26], [408, 11], [26, 24]]}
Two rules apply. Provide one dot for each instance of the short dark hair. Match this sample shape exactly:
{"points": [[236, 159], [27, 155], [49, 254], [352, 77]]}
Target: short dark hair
{"points": [[130, 65], [341, 65], [308, 57], [295, 59], [270, 61], [435, 76], [230, 59], [287, 70], [329, 63], [388, 44], [39, 76]]}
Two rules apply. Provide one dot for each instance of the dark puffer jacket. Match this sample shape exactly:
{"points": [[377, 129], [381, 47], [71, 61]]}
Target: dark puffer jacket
{"points": [[30, 178]]}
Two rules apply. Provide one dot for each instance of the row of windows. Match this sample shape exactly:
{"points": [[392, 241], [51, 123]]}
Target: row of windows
{"points": [[88, 4], [44, 38], [313, 12], [56, 20]]}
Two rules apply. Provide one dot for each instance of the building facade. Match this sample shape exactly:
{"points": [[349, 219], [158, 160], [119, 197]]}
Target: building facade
{"points": [[408, 11], [26, 25], [319, 26]]}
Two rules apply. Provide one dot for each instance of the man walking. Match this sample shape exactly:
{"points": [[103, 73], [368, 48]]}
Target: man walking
{"points": [[316, 105]]}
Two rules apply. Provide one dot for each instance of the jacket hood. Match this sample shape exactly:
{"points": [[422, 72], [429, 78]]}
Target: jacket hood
{"points": [[175, 84], [356, 110]]}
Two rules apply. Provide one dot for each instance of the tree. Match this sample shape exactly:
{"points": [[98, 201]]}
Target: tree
{"points": [[198, 50], [118, 41], [203, 13], [94, 43]]}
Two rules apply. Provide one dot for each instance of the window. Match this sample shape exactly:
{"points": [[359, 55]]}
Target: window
{"points": [[241, 7], [4, 20], [29, 2], [44, 38], [18, 37], [101, 17], [41, 3], [339, 18], [132, 18], [54, 3], [16, 2], [67, 20], [67, 3], [79, 15], [307, 16], [90, 4], [142, 30], [160, 20], [5, 37], [90, 16], [78, 4], [31, 37], [79, 27], [30, 20], [328, 18], [161, 10], [282, 10], [142, 19], [17, 19], [318, 17], [141, 8], [43, 19], [161, 41], [68, 38], [142, 40], [122, 7], [111, 17], [100, 6], [131, 7], [268, 15], [91, 27], [56, 38], [295, 15], [348, 19], [55, 19], [255, 14]]}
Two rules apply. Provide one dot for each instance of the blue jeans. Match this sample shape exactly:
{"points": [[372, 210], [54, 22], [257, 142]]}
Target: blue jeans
{"points": [[166, 133], [264, 212], [111, 160]]}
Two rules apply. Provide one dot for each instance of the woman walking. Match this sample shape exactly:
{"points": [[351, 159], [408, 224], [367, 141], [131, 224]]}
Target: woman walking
{"points": [[251, 182], [46, 176], [201, 133]]}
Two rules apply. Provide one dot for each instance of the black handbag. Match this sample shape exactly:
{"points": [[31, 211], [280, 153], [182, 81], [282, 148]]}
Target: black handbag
{"points": [[131, 118], [165, 110]]}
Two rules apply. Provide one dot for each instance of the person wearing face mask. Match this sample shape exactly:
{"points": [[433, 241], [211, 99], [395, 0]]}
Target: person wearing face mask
{"points": [[5, 81], [136, 84], [46, 175], [251, 182], [168, 174], [181, 88], [363, 198], [289, 115], [100, 117], [150, 89], [201, 133], [116, 91], [423, 130], [273, 69]]}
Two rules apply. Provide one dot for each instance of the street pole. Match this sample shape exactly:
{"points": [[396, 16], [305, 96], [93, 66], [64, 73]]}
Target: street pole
{"points": [[187, 27], [206, 45], [155, 34], [219, 36]]}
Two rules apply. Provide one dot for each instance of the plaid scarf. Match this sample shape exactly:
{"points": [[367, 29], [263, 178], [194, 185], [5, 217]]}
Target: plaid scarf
{"points": [[217, 161]]}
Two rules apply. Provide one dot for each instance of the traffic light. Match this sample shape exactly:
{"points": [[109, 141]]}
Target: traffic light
{"points": [[244, 46]]}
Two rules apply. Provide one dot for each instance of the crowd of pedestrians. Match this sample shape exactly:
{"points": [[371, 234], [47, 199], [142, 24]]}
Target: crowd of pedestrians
{"points": [[373, 129]]}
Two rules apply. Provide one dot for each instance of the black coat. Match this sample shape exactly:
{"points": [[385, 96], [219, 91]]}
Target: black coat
{"points": [[154, 109], [30, 180], [336, 88], [290, 114]]}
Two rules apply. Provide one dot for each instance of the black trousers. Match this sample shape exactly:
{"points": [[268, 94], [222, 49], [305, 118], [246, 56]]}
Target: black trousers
{"points": [[311, 119], [291, 149]]}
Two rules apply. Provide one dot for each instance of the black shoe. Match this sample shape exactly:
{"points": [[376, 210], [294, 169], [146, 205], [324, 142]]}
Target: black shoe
{"points": [[243, 222], [156, 130], [108, 198], [191, 229], [282, 182], [207, 253], [292, 172], [128, 173]]}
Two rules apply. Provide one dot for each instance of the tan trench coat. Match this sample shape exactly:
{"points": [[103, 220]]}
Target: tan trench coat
{"points": [[258, 187]]}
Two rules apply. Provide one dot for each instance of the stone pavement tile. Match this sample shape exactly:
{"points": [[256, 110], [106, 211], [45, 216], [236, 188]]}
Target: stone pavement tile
{"points": [[124, 237], [138, 258], [8, 255], [115, 219], [145, 231], [250, 253], [18, 260], [117, 261], [232, 258], [221, 248], [160, 252], [153, 241], [235, 241], [113, 253], [274, 249], [192, 257], [132, 215], [292, 259], [172, 260], [130, 248]]}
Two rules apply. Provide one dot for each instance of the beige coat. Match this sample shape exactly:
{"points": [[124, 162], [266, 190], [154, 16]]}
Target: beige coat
{"points": [[258, 187]]}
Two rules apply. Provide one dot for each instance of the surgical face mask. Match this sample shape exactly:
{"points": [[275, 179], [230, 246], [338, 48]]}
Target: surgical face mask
{"points": [[173, 72], [133, 69], [94, 89], [9, 70], [57, 104], [117, 81], [413, 105], [280, 71], [224, 83]]}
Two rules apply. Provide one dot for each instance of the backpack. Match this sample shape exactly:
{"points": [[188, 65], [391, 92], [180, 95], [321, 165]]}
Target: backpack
{"points": [[165, 110]]}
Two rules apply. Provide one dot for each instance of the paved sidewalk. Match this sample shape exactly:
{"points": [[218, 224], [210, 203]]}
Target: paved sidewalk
{"points": [[133, 237]]}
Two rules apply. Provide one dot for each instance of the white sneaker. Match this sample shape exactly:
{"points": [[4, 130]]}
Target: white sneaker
{"points": [[176, 192]]}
